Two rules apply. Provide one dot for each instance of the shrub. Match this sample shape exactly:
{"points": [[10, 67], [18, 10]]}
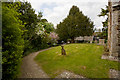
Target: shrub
{"points": [[12, 45]]}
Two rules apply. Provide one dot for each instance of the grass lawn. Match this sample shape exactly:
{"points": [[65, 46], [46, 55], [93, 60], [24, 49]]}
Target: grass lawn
{"points": [[82, 59]]}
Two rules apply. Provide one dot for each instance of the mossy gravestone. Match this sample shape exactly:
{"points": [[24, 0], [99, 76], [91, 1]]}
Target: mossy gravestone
{"points": [[63, 50]]}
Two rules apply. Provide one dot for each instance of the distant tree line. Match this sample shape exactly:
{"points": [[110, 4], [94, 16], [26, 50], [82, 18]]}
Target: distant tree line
{"points": [[23, 31], [74, 25]]}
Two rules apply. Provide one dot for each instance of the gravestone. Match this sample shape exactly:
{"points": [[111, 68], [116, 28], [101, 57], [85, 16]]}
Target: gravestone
{"points": [[85, 38], [68, 42], [75, 41], [95, 41], [63, 50], [91, 41], [101, 41]]}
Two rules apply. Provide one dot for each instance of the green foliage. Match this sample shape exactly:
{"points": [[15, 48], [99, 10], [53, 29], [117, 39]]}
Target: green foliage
{"points": [[12, 42], [48, 27], [44, 27], [81, 59], [29, 19], [103, 34], [33, 24], [42, 31], [76, 24], [40, 43], [20, 27], [104, 12]]}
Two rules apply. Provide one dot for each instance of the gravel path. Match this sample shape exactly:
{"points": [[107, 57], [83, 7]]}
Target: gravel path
{"points": [[30, 69], [114, 73], [68, 74]]}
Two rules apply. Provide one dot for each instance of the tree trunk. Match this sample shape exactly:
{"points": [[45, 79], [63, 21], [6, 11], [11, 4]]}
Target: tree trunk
{"points": [[72, 40]]}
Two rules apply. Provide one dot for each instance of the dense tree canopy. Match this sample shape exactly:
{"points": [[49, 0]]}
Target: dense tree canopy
{"points": [[29, 19], [20, 26], [42, 31], [31, 22], [76, 24]]}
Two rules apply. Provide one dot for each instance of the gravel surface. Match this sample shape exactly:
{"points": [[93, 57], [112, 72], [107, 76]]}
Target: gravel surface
{"points": [[68, 74], [30, 68], [114, 73]]}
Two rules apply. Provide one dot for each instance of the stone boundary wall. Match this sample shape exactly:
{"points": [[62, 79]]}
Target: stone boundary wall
{"points": [[86, 38]]}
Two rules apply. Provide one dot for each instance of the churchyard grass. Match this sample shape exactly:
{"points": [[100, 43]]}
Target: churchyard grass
{"points": [[81, 59]]}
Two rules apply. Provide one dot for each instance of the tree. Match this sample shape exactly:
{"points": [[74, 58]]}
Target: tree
{"points": [[53, 37], [30, 20], [42, 31], [104, 12], [76, 24], [20, 26], [12, 41], [40, 16]]}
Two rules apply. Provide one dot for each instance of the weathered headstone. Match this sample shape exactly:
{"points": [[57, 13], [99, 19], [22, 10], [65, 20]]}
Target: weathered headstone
{"points": [[91, 41], [95, 41], [85, 38], [101, 41], [63, 50], [75, 41], [68, 42]]}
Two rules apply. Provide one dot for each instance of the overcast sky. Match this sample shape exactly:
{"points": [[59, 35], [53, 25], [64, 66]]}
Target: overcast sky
{"points": [[56, 10]]}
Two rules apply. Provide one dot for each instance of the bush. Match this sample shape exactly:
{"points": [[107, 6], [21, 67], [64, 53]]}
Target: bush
{"points": [[43, 44], [29, 51], [12, 46]]}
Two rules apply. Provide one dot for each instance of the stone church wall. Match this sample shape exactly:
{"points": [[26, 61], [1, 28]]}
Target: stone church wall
{"points": [[114, 29]]}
